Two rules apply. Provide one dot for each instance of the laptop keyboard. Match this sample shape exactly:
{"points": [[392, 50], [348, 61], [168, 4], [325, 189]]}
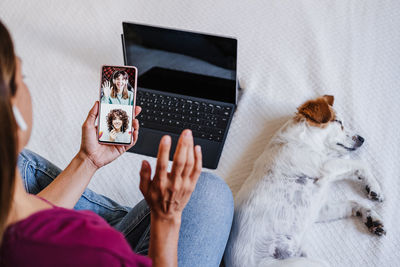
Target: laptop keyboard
{"points": [[173, 114]]}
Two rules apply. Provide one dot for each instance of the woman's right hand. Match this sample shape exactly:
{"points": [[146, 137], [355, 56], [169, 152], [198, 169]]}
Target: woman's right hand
{"points": [[106, 88], [168, 192], [167, 195], [113, 135]]}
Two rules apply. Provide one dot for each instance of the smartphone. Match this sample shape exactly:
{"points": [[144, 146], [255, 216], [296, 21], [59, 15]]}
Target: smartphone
{"points": [[117, 104]]}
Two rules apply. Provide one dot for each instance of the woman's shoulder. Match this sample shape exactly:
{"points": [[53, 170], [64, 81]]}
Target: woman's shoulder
{"points": [[66, 232], [131, 96], [106, 99], [105, 135], [57, 222], [125, 137]]}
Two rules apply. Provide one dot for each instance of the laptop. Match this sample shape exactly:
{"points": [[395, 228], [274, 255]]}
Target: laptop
{"points": [[186, 80]]}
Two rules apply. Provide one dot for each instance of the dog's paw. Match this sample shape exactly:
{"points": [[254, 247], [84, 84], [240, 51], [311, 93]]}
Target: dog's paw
{"points": [[372, 187], [373, 223], [374, 194]]}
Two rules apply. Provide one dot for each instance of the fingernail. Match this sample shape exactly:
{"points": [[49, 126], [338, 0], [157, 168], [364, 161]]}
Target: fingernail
{"points": [[188, 133], [198, 148], [167, 140], [144, 164]]}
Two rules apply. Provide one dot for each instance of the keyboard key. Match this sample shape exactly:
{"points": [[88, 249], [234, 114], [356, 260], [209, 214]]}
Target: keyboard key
{"points": [[222, 123]]}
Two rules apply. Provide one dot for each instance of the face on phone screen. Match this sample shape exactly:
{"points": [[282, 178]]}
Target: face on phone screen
{"points": [[117, 102]]}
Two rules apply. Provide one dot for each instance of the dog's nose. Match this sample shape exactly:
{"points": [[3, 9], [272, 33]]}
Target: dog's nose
{"points": [[358, 140]]}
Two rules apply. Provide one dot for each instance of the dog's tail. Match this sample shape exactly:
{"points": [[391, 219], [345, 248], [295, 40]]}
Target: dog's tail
{"points": [[292, 262]]}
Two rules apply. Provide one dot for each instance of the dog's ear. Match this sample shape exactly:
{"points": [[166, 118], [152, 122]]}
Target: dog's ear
{"points": [[329, 99], [317, 112]]}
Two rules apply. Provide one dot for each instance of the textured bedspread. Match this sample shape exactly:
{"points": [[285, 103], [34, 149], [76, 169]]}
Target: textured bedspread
{"points": [[289, 51]]}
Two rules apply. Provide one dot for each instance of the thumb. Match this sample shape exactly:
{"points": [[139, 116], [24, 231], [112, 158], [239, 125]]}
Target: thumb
{"points": [[145, 177], [91, 118]]}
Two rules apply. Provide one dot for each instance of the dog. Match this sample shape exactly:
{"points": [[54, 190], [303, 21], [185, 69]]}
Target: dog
{"points": [[285, 193]]}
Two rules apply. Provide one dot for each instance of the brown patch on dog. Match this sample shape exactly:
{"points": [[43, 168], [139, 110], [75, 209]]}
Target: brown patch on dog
{"points": [[330, 99], [317, 112]]}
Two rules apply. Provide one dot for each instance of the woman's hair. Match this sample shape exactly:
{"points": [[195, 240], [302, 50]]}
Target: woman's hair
{"points": [[121, 114], [114, 89], [8, 129]]}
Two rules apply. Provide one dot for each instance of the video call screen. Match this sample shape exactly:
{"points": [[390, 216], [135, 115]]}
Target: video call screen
{"points": [[117, 101]]}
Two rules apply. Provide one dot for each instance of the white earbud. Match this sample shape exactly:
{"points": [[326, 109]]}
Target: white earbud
{"points": [[19, 119]]}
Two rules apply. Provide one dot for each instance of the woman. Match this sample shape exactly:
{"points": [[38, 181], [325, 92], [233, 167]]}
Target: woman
{"points": [[117, 123], [39, 227], [117, 92]]}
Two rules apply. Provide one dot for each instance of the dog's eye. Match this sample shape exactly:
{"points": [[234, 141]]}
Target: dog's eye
{"points": [[340, 122]]}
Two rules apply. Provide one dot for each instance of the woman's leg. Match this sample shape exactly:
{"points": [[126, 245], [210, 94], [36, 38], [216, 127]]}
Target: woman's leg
{"points": [[206, 220], [206, 223], [205, 228], [38, 172]]}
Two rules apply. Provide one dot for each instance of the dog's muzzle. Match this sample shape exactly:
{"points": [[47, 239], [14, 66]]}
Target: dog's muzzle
{"points": [[358, 141]]}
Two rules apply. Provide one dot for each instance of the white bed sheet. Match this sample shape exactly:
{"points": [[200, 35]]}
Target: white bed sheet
{"points": [[289, 51]]}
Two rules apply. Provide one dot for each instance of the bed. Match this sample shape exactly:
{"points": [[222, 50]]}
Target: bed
{"points": [[289, 52]]}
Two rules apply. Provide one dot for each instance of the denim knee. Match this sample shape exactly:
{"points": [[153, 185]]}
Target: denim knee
{"points": [[36, 171], [206, 223], [214, 195], [38, 162]]}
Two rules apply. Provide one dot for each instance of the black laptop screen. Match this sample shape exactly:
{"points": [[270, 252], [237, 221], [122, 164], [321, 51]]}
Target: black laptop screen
{"points": [[180, 62]]}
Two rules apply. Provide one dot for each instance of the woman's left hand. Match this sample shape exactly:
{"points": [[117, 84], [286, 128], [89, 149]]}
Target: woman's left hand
{"points": [[97, 153]]}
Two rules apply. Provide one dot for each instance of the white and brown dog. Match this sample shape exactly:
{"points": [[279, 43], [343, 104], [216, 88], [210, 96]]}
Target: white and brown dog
{"points": [[285, 193]]}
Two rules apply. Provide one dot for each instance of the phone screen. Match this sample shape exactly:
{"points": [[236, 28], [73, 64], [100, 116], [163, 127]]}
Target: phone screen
{"points": [[117, 103]]}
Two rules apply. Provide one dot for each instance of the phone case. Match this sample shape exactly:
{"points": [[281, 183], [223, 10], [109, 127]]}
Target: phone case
{"points": [[116, 104]]}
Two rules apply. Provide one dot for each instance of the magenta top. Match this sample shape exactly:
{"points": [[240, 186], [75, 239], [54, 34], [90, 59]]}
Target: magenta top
{"points": [[63, 237]]}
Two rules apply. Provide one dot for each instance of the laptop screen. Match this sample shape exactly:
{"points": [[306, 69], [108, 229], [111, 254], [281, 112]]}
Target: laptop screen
{"points": [[181, 62]]}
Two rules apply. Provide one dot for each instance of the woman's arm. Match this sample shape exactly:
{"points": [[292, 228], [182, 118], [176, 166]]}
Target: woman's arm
{"points": [[167, 195], [68, 187], [164, 236]]}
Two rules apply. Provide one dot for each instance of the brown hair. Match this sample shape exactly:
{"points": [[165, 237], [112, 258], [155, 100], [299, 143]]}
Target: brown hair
{"points": [[118, 113], [114, 89], [8, 131]]}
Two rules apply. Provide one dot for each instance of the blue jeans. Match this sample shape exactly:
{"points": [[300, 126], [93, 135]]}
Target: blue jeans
{"points": [[206, 220]]}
